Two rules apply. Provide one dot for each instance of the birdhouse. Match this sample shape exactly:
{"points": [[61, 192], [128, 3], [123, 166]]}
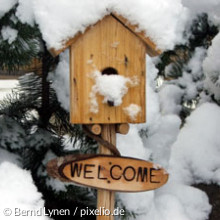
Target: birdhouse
{"points": [[108, 72]]}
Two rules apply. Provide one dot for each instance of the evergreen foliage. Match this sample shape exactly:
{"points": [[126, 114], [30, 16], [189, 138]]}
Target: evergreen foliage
{"points": [[21, 50], [174, 66]]}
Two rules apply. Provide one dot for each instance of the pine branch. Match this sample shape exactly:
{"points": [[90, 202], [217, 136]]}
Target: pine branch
{"points": [[23, 48]]}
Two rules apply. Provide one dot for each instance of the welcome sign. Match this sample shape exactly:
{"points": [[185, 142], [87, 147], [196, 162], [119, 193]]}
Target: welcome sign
{"points": [[123, 174]]}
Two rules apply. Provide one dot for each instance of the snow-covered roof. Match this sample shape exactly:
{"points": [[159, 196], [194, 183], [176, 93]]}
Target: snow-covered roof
{"points": [[161, 21]]}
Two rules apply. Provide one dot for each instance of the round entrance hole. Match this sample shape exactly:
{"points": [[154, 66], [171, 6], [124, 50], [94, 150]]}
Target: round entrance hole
{"points": [[109, 71]]}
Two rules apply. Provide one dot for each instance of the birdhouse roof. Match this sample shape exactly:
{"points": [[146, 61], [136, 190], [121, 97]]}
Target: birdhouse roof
{"points": [[159, 23], [151, 46]]}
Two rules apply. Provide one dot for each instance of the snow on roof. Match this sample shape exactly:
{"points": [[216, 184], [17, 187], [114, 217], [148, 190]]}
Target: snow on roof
{"points": [[162, 20], [6, 5]]}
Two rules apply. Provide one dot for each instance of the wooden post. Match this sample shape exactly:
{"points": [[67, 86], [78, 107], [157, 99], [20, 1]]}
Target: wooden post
{"points": [[106, 198]]}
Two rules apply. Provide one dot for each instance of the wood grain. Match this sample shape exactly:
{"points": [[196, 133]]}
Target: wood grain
{"points": [[95, 129], [123, 174], [107, 44], [152, 49], [122, 128], [106, 198]]}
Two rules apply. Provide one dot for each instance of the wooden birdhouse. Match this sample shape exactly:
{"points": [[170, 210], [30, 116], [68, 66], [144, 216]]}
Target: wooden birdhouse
{"points": [[108, 72]]}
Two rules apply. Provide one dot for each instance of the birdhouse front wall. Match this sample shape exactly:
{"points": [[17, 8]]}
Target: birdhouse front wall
{"points": [[108, 44]]}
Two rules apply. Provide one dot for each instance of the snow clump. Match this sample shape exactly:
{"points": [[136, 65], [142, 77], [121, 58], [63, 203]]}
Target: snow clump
{"points": [[112, 87]]}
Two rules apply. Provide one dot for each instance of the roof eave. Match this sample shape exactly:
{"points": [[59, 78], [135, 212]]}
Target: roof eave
{"points": [[152, 49]]}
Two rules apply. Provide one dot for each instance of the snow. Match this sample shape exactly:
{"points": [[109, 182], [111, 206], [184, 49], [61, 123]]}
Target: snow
{"points": [[25, 12], [131, 145], [18, 191], [9, 34], [60, 80], [191, 79], [176, 199], [211, 67], [162, 21], [112, 87], [6, 5], [195, 154], [39, 138], [132, 111], [6, 156], [11, 133], [186, 87], [6, 87], [212, 7], [171, 97]]}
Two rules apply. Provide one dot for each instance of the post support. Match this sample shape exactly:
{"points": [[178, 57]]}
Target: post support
{"points": [[106, 198]]}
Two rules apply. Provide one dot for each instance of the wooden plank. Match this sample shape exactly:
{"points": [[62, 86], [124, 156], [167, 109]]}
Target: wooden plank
{"points": [[11, 77], [123, 174], [34, 66], [152, 49], [108, 44], [106, 198]]}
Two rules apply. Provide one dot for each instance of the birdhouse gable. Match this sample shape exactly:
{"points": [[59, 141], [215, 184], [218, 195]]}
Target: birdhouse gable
{"points": [[149, 44]]}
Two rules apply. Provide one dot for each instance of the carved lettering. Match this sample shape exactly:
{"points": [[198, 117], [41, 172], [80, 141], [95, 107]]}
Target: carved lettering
{"points": [[86, 171], [99, 171], [125, 173], [76, 169], [111, 172], [142, 174], [152, 176]]}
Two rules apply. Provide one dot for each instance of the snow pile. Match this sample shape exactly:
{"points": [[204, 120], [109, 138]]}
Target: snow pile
{"points": [[9, 34], [17, 190], [161, 130], [131, 145], [6, 87], [111, 87], [175, 200], [211, 67], [60, 80], [25, 12], [179, 201], [132, 111], [163, 21], [6, 5], [195, 155], [170, 96]]}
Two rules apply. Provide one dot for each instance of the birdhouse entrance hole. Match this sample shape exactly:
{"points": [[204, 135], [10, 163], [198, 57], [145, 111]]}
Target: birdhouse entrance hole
{"points": [[109, 71]]}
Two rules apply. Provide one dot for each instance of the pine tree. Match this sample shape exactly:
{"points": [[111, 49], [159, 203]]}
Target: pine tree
{"points": [[175, 66], [33, 124], [19, 42]]}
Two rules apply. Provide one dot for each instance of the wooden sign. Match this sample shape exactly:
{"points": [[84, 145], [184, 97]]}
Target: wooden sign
{"points": [[111, 173]]}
